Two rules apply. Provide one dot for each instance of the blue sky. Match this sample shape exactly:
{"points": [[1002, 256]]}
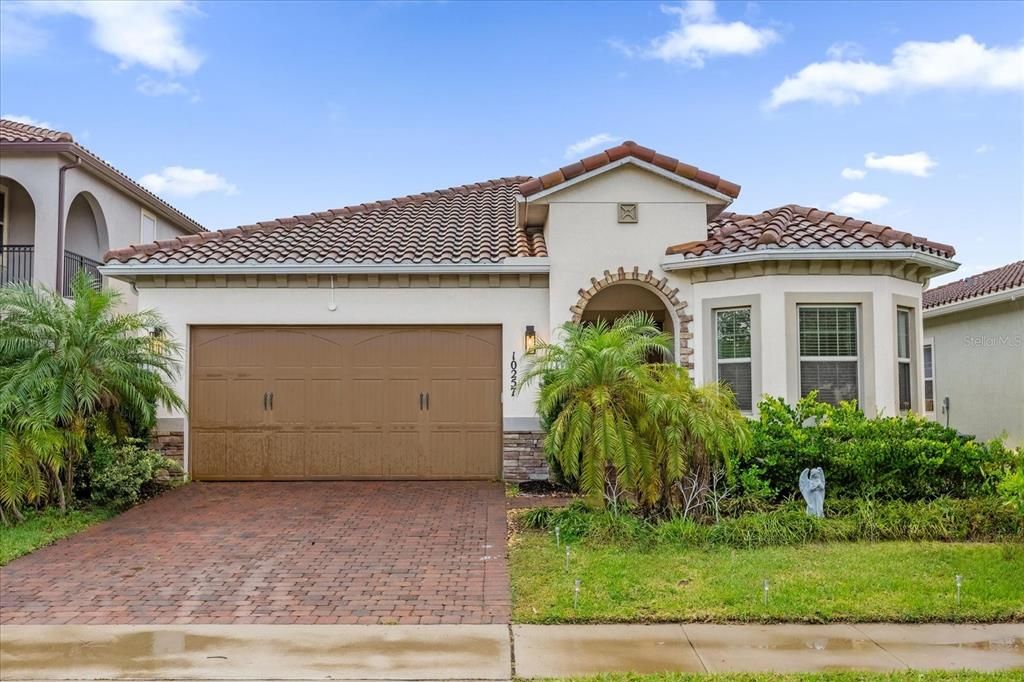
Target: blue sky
{"points": [[240, 112]]}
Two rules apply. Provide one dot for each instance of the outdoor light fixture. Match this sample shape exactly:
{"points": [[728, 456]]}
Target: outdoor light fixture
{"points": [[530, 340]]}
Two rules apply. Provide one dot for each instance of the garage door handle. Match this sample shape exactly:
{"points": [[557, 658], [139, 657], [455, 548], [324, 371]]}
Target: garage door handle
{"points": [[428, 400], [265, 401], [271, 400], [421, 401]]}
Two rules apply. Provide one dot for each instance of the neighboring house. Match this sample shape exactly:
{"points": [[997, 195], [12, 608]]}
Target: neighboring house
{"points": [[386, 340], [63, 207], [974, 354]]}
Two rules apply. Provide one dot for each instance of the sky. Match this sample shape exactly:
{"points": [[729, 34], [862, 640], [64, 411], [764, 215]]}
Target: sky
{"points": [[905, 114]]}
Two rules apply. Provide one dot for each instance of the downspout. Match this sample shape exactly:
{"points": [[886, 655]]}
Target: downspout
{"points": [[60, 220]]}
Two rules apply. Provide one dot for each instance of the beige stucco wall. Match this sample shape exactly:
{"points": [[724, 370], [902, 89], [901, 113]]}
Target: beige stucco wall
{"points": [[584, 236], [878, 297], [513, 308], [119, 216], [979, 365]]}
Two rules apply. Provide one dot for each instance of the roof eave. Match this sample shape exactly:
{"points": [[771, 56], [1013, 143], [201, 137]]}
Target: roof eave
{"points": [[939, 264], [640, 163], [521, 265], [98, 167], [991, 298]]}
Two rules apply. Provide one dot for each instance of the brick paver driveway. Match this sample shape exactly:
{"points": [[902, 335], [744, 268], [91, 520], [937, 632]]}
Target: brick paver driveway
{"points": [[331, 552]]}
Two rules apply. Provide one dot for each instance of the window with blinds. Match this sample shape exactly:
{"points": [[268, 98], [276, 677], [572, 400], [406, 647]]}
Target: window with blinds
{"points": [[903, 357], [732, 353], [829, 352], [929, 378]]}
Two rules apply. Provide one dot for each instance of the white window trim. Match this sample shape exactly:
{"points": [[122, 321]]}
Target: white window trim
{"points": [[716, 361], [928, 342], [909, 359], [858, 358], [142, 222]]}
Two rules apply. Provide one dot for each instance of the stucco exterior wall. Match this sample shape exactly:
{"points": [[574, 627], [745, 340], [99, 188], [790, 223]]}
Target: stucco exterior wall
{"points": [[979, 365], [777, 297], [511, 307]]}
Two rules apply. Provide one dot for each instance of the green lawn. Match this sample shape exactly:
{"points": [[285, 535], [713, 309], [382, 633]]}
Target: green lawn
{"points": [[892, 581], [902, 676], [45, 527]]}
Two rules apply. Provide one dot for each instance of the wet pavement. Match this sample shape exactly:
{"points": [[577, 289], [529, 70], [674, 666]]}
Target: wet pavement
{"points": [[485, 652]]}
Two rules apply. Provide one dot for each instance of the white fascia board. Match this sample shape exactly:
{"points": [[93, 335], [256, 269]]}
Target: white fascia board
{"points": [[976, 302], [679, 262], [696, 186], [508, 266]]}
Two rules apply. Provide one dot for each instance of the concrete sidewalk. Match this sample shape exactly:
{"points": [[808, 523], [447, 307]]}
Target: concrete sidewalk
{"points": [[485, 652]]}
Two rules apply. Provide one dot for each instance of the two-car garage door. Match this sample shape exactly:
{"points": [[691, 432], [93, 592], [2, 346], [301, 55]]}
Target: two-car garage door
{"points": [[291, 403]]}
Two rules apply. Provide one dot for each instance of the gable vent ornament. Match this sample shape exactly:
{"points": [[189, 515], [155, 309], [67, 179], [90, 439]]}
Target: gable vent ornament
{"points": [[629, 213]]}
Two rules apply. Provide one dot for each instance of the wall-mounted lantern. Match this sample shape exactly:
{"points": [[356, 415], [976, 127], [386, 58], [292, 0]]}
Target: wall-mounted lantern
{"points": [[530, 340]]}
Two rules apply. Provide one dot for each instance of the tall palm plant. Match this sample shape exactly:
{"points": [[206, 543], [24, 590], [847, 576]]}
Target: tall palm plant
{"points": [[66, 363], [592, 384]]}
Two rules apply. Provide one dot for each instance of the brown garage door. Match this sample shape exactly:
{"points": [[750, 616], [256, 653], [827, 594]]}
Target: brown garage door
{"points": [[283, 403]]}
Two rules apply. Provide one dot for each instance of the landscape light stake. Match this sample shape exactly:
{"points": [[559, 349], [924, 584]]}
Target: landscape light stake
{"points": [[576, 594], [767, 585], [558, 536], [567, 558], [959, 584]]}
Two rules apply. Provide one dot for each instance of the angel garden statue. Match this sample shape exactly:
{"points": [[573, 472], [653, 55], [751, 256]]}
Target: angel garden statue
{"points": [[812, 485]]}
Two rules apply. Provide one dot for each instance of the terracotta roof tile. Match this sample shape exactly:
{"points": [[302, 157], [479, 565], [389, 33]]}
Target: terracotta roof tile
{"points": [[630, 148], [12, 132], [467, 224], [1007, 277], [795, 226]]}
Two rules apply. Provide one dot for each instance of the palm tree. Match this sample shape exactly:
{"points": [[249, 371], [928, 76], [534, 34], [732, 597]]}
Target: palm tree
{"points": [[68, 363], [593, 383], [690, 429], [31, 457]]}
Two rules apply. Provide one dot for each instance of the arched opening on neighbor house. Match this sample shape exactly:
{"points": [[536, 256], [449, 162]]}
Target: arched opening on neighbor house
{"points": [[17, 232], [85, 239], [621, 298]]}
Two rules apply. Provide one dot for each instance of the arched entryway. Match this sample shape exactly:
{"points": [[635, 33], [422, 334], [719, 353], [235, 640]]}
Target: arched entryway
{"points": [[626, 291], [17, 232], [85, 239]]}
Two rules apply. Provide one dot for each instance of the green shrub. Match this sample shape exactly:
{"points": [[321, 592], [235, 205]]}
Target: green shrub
{"points": [[945, 519], [1011, 489], [889, 458], [126, 472]]}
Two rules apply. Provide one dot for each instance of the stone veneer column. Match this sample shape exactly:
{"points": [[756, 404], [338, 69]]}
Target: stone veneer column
{"points": [[523, 457]]}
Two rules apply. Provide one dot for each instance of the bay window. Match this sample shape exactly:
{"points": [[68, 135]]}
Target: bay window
{"points": [[829, 357], [733, 354]]}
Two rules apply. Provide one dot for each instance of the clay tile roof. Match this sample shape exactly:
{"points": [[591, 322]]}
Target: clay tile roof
{"points": [[1007, 277], [14, 133], [795, 226], [629, 148], [467, 224]]}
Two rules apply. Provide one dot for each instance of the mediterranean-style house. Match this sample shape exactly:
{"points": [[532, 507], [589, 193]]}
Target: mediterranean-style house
{"points": [[974, 354], [62, 207], [386, 340]]}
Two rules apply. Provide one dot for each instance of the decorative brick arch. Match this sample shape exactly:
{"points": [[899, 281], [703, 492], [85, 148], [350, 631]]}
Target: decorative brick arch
{"points": [[649, 281]]}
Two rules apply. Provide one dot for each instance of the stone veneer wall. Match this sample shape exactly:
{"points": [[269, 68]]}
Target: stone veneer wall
{"points": [[523, 457], [171, 444]]}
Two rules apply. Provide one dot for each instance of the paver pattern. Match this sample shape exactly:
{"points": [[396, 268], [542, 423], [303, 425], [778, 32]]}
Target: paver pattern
{"points": [[303, 552]]}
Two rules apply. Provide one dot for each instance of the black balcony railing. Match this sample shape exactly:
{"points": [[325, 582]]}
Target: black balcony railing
{"points": [[16, 263], [73, 264]]}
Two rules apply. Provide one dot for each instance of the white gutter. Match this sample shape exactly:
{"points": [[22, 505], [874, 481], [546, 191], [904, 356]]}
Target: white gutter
{"points": [[975, 302], [679, 262], [508, 266]]}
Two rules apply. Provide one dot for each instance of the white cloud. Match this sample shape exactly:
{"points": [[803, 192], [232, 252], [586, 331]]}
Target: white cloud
{"points": [[845, 50], [983, 149], [176, 181], [18, 34], [159, 88], [918, 163], [962, 63], [701, 35], [27, 120], [856, 203], [148, 33], [853, 174], [576, 149]]}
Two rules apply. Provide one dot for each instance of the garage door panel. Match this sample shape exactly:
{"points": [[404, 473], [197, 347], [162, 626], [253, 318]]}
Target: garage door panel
{"points": [[346, 402], [286, 455]]}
